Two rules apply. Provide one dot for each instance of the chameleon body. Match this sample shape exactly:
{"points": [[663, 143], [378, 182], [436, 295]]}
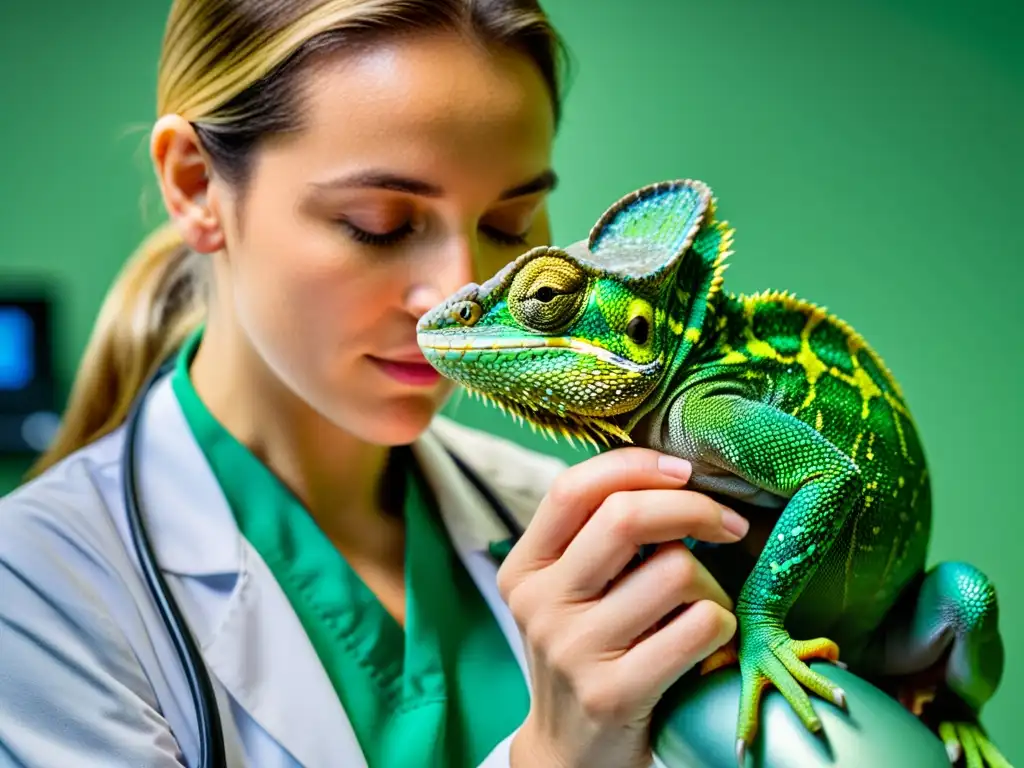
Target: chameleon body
{"points": [[785, 412]]}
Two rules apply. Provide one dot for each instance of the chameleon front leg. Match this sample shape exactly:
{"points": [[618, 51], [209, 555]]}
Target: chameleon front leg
{"points": [[950, 621], [716, 423]]}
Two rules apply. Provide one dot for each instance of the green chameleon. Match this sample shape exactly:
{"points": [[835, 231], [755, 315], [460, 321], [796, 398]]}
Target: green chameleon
{"points": [[628, 338]]}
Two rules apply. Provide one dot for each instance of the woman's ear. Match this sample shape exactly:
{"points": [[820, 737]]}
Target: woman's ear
{"points": [[184, 173]]}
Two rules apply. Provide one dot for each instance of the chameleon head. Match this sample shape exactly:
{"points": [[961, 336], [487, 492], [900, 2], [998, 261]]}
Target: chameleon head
{"points": [[569, 338]]}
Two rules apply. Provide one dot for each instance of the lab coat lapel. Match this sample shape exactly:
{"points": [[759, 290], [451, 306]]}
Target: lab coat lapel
{"points": [[250, 637], [472, 526]]}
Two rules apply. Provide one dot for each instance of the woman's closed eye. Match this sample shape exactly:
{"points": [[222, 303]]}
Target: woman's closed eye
{"points": [[501, 237], [379, 239], [397, 234]]}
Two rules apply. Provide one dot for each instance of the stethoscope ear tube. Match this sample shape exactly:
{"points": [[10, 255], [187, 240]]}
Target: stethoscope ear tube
{"points": [[211, 740]]}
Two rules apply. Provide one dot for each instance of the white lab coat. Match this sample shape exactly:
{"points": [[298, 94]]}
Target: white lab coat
{"points": [[88, 675]]}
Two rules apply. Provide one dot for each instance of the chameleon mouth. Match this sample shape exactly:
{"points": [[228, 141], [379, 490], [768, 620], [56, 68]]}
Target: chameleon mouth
{"points": [[441, 346], [448, 352]]}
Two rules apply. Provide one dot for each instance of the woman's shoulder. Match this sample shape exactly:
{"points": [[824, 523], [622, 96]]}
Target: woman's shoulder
{"points": [[520, 476], [70, 599], [64, 515]]}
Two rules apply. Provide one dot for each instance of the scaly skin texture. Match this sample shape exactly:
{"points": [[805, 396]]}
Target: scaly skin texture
{"points": [[783, 409]]}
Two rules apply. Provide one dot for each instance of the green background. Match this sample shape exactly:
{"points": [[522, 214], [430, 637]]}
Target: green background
{"points": [[870, 155]]}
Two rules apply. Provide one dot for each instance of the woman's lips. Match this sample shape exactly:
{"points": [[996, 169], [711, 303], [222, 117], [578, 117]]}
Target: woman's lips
{"points": [[418, 373]]}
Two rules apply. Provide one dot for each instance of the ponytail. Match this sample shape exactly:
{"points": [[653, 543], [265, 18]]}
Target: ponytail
{"points": [[155, 302]]}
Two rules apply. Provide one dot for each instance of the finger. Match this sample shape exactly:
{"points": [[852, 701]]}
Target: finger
{"points": [[580, 490], [670, 578], [626, 521], [660, 659]]}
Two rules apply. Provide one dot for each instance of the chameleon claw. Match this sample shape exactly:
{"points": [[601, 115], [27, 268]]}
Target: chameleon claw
{"points": [[953, 752], [839, 697], [741, 752]]}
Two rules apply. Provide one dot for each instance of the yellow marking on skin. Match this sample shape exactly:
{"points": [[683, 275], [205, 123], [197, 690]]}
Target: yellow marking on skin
{"points": [[900, 411], [813, 366], [805, 357], [854, 341], [692, 335], [867, 387], [733, 357], [901, 481], [819, 421], [811, 363], [856, 445], [675, 325]]}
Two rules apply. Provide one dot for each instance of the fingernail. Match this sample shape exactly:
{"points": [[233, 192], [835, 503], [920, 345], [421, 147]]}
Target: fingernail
{"points": [[673, 466], [734, 522]]}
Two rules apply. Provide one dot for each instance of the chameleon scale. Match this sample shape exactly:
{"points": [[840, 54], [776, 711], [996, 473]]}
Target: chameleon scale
{"points": [[784, 410]]}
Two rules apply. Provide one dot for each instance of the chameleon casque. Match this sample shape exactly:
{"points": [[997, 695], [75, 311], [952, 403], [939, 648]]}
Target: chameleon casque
{"points": [[628, 337]]}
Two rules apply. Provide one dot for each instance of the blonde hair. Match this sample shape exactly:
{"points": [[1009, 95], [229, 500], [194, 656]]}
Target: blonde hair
{"points": [[229, 67]]}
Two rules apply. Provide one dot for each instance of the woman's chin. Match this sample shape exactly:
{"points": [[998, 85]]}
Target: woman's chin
{"points": [[399, 421]]}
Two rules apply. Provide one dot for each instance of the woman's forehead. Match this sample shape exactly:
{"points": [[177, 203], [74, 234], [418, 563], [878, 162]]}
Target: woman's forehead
{"points": [[430, 99]]}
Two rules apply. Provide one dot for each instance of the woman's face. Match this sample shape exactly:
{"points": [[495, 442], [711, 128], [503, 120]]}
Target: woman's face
{"points": [[422, 164]]}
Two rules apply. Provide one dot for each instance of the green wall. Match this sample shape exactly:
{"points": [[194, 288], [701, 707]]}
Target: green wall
{"points": [[869, 155]]}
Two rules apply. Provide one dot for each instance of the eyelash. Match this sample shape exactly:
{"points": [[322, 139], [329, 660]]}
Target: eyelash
{"points": [[378, 240], [394, 236]]}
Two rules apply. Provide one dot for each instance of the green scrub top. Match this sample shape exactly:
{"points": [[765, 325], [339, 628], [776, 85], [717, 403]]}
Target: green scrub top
{"points": [[447, 689]]}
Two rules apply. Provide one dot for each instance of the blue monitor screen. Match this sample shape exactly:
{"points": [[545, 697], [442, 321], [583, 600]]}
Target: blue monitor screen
{"points": [[17, 349]]}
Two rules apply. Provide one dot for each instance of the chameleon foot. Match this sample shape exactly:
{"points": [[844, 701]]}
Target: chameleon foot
{"points": [[772, 657], [969, 741]]}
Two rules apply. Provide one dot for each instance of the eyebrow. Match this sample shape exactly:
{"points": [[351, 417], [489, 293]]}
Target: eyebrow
{"points": [[543, 182]]}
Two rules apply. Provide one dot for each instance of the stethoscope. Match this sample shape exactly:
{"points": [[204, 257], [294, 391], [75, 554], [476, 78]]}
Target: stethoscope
{"points": [[211, 735]]}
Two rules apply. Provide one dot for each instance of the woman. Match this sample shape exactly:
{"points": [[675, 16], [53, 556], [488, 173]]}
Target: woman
{"points": [[331, 169]]}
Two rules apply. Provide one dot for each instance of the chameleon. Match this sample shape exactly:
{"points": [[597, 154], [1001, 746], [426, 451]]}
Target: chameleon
{"points": [[783, 409]]}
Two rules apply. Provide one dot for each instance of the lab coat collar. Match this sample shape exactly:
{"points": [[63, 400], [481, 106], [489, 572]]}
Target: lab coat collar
{"points": [[250, 638], [192, 530]]}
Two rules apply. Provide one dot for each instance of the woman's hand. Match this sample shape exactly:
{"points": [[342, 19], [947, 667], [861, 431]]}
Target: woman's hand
{"points": [[604, 645]]}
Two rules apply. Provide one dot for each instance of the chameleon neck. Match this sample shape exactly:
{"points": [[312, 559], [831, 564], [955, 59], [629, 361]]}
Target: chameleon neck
{"points": [[691, 302]]}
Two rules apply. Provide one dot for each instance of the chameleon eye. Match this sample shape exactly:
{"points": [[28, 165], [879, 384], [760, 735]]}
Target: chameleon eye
{"points": [[637, 332], [638, 329], [467, 313], [547, 293]]}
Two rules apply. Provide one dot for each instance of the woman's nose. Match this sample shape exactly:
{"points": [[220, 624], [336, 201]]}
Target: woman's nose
{"points": [[421, 298], [440, 277]]}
